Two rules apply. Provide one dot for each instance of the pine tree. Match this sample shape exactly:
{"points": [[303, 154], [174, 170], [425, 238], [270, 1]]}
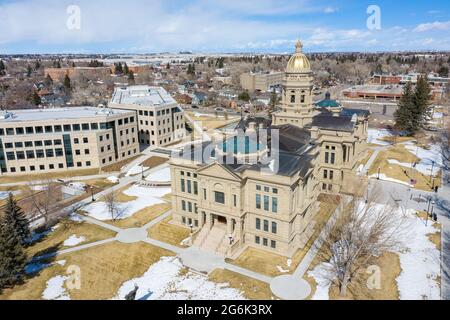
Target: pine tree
{"points": [[421, 100], [15, 216], [35, 98], [67, 82], [131, 77], [48, 80], [37, 65], [404, 114], [29, 71], [125, 69], [12, 256]]}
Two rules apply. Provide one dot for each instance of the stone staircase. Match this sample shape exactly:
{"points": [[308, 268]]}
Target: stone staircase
{"points": [[214, 240]]}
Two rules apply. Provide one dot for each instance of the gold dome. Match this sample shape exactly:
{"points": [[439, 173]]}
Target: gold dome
{"points": [[298, 62]]}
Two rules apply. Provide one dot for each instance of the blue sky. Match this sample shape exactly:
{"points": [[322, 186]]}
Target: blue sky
{"points": [[143, 26]]}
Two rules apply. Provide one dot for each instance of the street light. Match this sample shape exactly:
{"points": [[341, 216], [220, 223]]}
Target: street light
{"points": [[378, 177], [92, 193], [192, 227]]}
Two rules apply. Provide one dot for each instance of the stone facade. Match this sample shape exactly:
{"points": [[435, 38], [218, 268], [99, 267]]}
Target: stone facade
{"points": [[250, 202]]}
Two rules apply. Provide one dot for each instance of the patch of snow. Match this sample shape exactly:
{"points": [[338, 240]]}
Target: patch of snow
{"points": [[438, 115], [162, 175], [73, 241], [146, 197], [419, 262], [280, 269], [289, 263], [78, 185], [386, 178], [61, 262], [163, 281], [55, 289], [137, 169], [427, 158], [374, 136], [113, 179]]}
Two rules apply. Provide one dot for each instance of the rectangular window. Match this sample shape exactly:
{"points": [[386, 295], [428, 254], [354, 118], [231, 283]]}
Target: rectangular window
{"points": [[266, 203], [325, 174], [49, 153], [38, 144], [20, 155], [195, 187], [10, 156], [67, 128], [204, 194], [19, 131], [190, 206], [48, 142], [10, 131], [183, 205], [331, 174], [273, 244], [265, 242], [48, 129], [257, 240], [30, 154], [333, 157], [258, 224], [266, 226], [40, 154], [274, 227], [182, 186], [76, 127], [258, 188], [234, 200], [58, 128], [189, 186], [274, 205], [219, 197], [258, 201], [94, 126], [327, 157]]}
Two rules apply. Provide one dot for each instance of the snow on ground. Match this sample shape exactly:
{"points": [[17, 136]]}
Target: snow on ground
{"points": [[146, 197], [163, 281], [55, 289], [438, 115], [200, 115], [419, 262], [113, 179], [162, 175], [78, 185], [427, 157], [376, 134], [73, 241], [137, 169], [383, 177]]}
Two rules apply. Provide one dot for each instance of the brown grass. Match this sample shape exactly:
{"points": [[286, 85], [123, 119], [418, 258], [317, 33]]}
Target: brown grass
{"points": [[168, 232], [252, 289], [266, 262], [46, 176], [142, 217], [366, 159], [66, 229], [103, 271], [116, 167], [400, 153], [212, 123], [154, 162]]}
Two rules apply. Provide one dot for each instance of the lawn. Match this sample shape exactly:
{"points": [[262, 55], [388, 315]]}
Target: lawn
{"points": [[212, 123], [251, 288], [116, 167], [142, 217], [46, 176], [267, 263], [366, 159], [167, 232], [103, 271], [65, 229], [397, 172], [153, 162]]}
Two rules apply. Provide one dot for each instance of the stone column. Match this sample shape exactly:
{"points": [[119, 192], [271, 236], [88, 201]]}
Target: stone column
{"points": [[209, 220]]}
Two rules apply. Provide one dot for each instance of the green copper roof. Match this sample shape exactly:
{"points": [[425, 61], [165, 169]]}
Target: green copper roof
{"points": [[328, 104]]}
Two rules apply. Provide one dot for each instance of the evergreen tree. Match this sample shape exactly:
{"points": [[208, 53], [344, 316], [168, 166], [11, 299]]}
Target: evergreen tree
{"points": [[125, 68], [15, 216], [73, 65], [37, 65], [404, 116], [244, 96], [12, 256], [421, 100], [131, 77], [2, 68], [29, 71], [48, 80], [67, 82], [35, 98]]}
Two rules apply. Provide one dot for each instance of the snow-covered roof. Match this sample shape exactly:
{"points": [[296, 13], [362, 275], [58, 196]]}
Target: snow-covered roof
{"points": [[142, 95]]}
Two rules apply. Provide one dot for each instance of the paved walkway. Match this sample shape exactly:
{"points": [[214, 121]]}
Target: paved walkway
{"points": [[79, 178]]}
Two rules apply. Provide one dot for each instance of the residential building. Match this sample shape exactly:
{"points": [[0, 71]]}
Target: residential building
{"points": [[258, 186], [261, 81], [77, 138], [160, 118]]}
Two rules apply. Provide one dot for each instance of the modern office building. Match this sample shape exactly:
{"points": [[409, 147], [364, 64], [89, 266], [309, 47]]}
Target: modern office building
{"points": [[78, 138], [261, 81], [245, 190], [160, 118]]}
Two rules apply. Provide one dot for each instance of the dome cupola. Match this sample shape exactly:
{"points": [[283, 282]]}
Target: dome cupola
{"points": [[298, 63]]}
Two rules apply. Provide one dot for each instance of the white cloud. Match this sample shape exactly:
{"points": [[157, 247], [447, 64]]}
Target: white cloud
{"points": [[433, 26], [330, 10]]}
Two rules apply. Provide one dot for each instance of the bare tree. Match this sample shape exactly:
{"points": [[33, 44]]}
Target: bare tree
{"points": [[362, 232], [114, 208], [44, 202]]}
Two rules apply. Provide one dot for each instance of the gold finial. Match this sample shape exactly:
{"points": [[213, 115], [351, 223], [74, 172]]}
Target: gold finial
{"points": [[299, 46]]}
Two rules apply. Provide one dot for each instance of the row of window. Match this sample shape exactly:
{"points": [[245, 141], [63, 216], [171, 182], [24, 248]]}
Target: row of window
{"points": [[266, 189], [264, 202], [45, 168], [61, 128], [266, 225], [328, 174], [265, 242], [158, 113], [31, 154], [188, 206], [189, 222], [189, 186], [330, 157]]}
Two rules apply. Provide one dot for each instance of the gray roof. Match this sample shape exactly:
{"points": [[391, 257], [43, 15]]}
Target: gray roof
{"points": [[328, 121], [57, 114], [142, 95]]}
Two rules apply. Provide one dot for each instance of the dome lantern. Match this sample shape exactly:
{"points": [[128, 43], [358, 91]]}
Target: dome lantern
{"points": [[298, 63]]}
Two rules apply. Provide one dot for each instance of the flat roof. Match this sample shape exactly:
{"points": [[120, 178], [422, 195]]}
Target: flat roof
{"points": [[142, 96], [11, 116]]}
